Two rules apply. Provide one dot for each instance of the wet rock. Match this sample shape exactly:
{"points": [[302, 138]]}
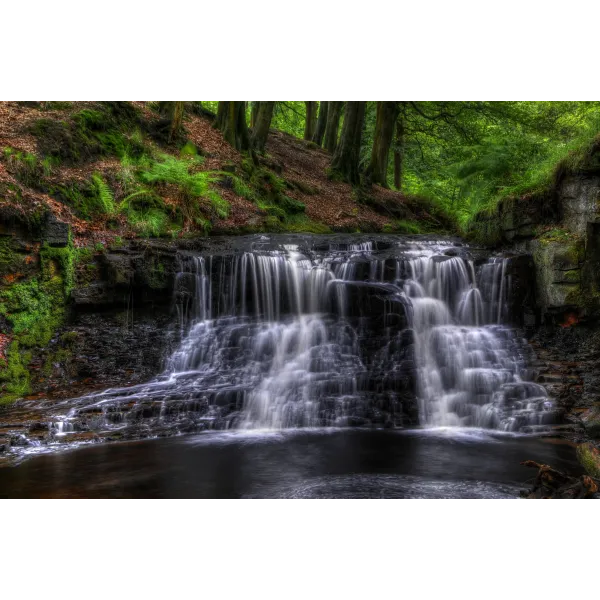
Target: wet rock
{"points": [[56, 232], [38, 427]]}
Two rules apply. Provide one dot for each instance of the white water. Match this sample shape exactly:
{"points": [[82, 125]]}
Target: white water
{"points": [[277, 338]]}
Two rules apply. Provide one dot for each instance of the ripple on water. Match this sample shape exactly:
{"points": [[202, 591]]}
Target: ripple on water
{"points": [[365, 486]]}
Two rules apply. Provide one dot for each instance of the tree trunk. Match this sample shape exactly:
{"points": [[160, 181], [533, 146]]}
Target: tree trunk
{"points": [[311, 120], [321, 122], [254, 114], [399, 154], [387, 112], [171, 117], [347, 155], [263, 124], [334, 113], [221, 113], [231, 121]]}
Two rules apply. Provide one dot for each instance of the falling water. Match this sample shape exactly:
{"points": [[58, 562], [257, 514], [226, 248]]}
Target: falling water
{"points": [[300, 335]]}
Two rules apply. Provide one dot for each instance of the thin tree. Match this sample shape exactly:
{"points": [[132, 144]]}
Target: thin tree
{"points": [[171, 117], [346, 158], [399, 153], [321, 123], [334, 113], [262, 126], [387, 112]]}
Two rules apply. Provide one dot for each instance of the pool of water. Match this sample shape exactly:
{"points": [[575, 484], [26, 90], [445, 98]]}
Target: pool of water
{"points": [[318, 463]]}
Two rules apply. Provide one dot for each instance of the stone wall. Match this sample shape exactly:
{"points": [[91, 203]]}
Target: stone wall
{"points": [[561, 230]]}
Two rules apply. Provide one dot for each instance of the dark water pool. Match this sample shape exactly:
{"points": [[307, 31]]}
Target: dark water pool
{"points": [[329, 463]]}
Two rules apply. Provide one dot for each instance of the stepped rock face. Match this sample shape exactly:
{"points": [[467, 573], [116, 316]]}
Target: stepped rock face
{"points": [[561, 230]]}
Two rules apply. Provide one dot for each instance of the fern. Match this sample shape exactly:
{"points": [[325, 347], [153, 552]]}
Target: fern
{"points": [[104, 194], [193, 185], [152, 222], [241, 188]]}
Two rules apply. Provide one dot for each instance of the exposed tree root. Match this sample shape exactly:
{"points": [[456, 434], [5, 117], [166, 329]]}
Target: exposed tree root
{"points": [[550, 483]]}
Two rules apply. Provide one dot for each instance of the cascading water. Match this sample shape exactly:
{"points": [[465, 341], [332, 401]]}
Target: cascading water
{"points": [[330, 333]]}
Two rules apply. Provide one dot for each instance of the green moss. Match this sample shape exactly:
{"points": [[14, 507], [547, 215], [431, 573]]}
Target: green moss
{"points": [[34, 309], [89, 133], [575, 252], [14, 376], [66, 258], [84, 255], [402, 226], [10, 261], [302, 224], [557, 234], [69, 337], [589, 458], [61, 355], [28, 168], [572, 276], [56, 105], [241, 188], [157, 275]]}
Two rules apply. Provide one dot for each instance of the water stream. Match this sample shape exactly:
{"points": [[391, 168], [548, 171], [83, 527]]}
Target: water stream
{"points": [[294, 334]]}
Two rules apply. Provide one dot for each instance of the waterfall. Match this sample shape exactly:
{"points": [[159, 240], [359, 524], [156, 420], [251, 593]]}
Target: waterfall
{"points": [[331, 333]]}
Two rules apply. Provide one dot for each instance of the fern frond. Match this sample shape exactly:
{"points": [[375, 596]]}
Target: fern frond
{"points": [[104, 195]]}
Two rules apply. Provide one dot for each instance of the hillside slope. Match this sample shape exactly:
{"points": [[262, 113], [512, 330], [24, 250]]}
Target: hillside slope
{"points": [[97, 166]]}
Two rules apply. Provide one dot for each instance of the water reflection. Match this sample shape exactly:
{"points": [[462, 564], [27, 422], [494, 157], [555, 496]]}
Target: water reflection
{"points": [[325, 463]]}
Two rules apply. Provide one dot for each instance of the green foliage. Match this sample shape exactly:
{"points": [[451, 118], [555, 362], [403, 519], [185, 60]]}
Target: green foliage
{"points": [[34, 308], [402, 226], [106, 131], [149, 223], [467, 156], [56, 105], [291, 206], [268, 190], [241, 188], [195, 186], [92, 119], [188, 151], [104, 195], [27, 167], [557, 235], [300, 223], [289, 116]]}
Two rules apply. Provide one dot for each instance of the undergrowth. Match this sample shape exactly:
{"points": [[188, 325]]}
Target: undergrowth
{"points": [[539, 177]]}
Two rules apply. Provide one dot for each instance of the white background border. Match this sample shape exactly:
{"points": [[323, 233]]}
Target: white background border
{"points": [[513, 50]]}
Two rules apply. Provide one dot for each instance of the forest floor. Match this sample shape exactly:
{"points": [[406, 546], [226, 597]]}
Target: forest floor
{"points": [[51, 152]]}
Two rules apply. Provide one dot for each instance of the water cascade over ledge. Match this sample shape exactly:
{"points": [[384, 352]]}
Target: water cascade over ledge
{"points": [[312, 331]]}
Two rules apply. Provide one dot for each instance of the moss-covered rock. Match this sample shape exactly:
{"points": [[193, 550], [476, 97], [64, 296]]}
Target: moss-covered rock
{"points": [[589, 458]]}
